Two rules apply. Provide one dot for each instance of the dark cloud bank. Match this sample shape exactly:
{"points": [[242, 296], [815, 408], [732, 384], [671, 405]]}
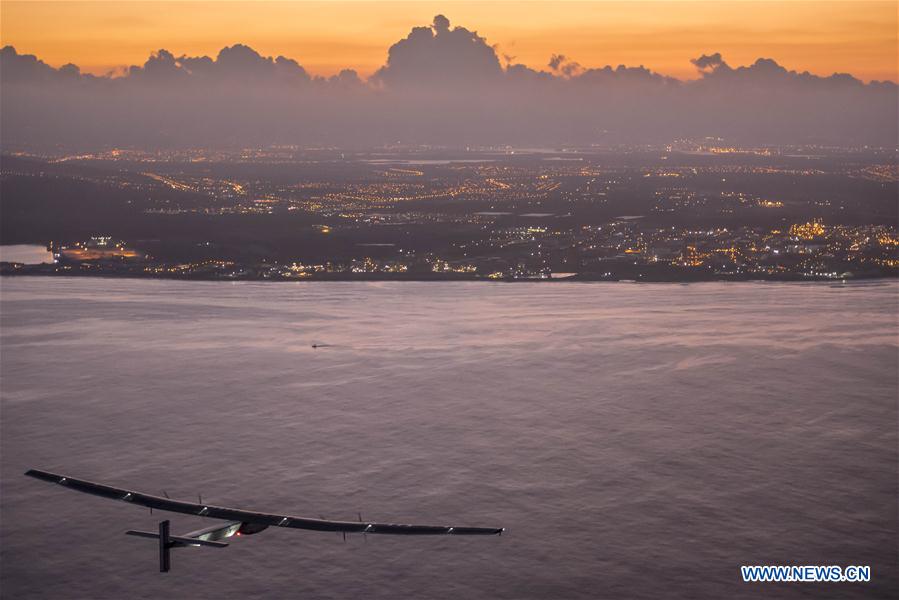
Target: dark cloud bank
{"points": [[441, 85]]}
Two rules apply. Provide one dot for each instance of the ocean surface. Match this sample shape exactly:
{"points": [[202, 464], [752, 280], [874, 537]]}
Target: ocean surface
{"points": [[29, 254], [636, 440]]}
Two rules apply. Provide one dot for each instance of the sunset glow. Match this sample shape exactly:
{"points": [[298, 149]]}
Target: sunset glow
{"points": [[821, 37]]}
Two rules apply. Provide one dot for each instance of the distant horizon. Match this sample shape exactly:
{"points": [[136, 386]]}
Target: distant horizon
{"points": [[857, 38], [446, 84], [123, 70]]}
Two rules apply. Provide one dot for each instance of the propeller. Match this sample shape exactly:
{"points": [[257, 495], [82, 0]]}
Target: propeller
{"points": [[322, 517], [164, 493]]}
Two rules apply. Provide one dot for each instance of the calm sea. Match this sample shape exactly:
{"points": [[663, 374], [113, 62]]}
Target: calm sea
{"points": [[637, 441], [29, 254]]}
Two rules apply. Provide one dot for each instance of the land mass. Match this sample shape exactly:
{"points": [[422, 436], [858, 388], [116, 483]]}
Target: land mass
{"points": [[690, 210]]}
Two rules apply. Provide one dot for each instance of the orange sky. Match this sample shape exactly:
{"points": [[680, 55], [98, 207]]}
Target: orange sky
{"points": [[822, 37]]}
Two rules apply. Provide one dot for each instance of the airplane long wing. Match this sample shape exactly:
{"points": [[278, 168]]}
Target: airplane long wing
{"points": [[247, 516]]}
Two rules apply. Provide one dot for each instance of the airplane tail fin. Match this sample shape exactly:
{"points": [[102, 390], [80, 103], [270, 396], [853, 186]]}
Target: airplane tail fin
{"points": [[168, 541]]}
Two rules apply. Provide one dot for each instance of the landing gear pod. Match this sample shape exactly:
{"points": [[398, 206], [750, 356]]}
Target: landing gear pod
{"points": [[251, 528]]}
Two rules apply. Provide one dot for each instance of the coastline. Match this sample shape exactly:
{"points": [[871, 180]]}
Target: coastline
{"points": [[443, 277]]}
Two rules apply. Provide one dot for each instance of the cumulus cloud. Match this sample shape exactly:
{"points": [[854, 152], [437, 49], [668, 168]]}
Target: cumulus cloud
{"points": [[441, 84], [556, 61], [440, 56], [237, 63], [561, 65], [441, 24], [23, 68], [709, 62]]}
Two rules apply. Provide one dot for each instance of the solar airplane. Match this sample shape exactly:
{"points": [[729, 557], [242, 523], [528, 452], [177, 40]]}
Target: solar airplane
{"points": [[237, 522]]}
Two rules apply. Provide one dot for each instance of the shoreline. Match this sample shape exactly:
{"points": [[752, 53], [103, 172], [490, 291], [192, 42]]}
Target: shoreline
{"points": [[442, 278]]}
